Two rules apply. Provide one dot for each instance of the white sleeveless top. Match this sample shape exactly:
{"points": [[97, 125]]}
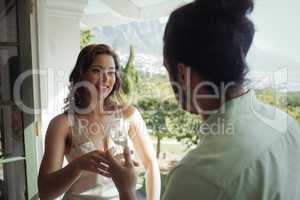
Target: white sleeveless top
{"points": [[91, 186]]}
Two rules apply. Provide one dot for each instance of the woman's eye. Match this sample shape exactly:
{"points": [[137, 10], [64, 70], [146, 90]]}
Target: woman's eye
{"points": [[111, 73], [95, 70], [100, 71]]}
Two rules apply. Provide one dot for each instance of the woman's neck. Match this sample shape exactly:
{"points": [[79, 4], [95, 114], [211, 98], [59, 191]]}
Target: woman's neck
{"points": [[100, 108]]}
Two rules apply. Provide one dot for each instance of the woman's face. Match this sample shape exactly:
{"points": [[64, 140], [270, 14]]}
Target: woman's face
{"points": [[102, 74]]}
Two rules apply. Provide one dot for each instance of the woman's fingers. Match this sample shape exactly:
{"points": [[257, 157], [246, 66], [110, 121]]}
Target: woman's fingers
{"points": [[121, 158], [101, 165], [101, 155], [100, 160], [107, 162], [102, 172], [100, 168], [111, 159]]}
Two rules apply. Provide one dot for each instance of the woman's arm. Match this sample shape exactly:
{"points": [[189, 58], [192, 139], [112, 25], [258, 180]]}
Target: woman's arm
{"points": [[144, 148], [53, 180]]}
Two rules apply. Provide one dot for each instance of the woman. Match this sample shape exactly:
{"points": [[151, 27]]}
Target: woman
{"points": [[248, 150], [79, 133]]}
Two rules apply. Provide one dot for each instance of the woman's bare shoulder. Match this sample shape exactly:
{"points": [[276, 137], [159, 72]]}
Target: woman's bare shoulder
{"points": [[60, 123], [61, 119], [128, 110]]}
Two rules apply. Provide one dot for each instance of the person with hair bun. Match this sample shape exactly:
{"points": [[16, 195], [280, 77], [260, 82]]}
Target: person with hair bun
{"points": [[248, 150]]}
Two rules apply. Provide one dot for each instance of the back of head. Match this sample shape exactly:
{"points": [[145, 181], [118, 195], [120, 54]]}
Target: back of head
{"points": [[211, 36], [234, 8]]}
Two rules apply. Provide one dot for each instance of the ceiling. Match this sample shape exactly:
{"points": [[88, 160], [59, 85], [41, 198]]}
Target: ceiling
{"points": [[114, 12]]}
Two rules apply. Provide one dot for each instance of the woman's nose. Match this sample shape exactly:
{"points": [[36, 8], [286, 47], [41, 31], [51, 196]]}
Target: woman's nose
{"points": [[103, 77]]}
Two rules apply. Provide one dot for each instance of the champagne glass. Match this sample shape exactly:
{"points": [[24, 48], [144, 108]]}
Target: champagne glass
{"points": [[116, 135], [117, 138]]}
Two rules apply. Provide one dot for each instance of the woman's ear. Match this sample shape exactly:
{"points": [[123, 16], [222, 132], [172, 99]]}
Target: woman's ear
{"points": [[184, 75]]}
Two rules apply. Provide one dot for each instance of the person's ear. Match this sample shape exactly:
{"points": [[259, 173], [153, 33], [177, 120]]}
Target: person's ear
{"points": [[183, 75]]}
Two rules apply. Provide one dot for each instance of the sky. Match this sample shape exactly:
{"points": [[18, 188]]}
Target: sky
{"points": [[278, 26], [277, 36]]}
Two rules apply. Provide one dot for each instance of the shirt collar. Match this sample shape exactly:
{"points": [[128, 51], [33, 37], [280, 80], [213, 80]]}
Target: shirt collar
{"points": [[221, 121]]}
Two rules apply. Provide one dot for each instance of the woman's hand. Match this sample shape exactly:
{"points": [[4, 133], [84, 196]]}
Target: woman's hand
{"points": [[123, 174], [94, 161]]}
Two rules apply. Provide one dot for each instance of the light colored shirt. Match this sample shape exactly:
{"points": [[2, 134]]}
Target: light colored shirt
{"points": [[249, 152]]}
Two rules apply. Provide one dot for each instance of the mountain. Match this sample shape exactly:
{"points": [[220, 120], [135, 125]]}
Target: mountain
{"points": [[146, 37]]}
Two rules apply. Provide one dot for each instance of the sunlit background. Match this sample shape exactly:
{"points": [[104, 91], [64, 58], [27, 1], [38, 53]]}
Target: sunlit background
{"points": [[135, 29]]}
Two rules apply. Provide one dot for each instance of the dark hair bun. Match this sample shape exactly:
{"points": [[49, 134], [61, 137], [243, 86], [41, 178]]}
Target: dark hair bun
{"points": [[233, 8]]}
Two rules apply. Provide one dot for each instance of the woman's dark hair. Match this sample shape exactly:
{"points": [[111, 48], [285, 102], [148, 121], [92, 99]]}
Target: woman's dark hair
{"points": [[80, 97], [211, 36]]}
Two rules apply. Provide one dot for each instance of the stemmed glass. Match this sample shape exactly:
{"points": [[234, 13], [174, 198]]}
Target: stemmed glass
{"points": [[117, 138], [116, 135]]}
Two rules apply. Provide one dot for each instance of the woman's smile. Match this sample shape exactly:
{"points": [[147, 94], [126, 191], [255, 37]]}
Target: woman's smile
{"points": [[102, 88]]}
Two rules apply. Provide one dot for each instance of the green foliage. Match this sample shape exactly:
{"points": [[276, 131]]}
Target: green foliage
{"points": [[294, 112], [165, 119], [85, 37], [164, 181], [155, 115], [293, 99], [288, 102], [155, 119], [186, 127], [129, 75]]}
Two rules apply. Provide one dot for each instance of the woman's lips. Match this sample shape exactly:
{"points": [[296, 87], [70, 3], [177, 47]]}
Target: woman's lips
{"points": [[102, 88]]}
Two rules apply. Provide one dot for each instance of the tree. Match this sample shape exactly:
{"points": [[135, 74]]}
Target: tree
{"points": [[185, 127], [85, 37], [166, 120], [287, 102], [129, 76], [155, 119]]}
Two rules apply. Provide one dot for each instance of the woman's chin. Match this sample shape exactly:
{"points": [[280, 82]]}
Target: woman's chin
{"points": [[102, 95], [102, 91]]}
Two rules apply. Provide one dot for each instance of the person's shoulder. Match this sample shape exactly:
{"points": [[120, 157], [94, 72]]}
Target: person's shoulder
{"points": [[185, 182], [217, 164], [60, 119], [58, 133], [60, 123], [128, 111], [195, 164]]}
